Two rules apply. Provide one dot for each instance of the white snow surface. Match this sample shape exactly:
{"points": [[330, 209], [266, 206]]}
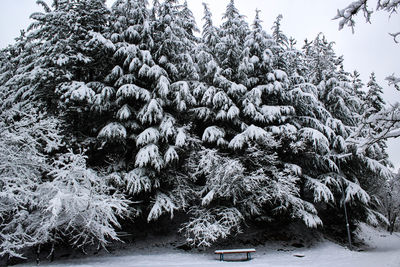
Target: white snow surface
{"points": [[383, 251]]}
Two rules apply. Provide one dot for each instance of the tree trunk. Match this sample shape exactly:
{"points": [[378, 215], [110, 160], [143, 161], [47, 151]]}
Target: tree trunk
{"points": [[52, 252], [38, 255], [392, 224], [51, 255]]}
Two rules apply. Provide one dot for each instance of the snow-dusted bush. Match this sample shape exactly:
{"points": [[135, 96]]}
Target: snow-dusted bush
{"points": [[389, 197], [79, 203], [44, 201], [26, 135], [76, 204]]}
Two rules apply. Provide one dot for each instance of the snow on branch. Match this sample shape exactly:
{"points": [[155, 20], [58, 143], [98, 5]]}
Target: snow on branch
{"points": [[78, 202], [133, 91], [354, 191], [137, 181], [151, 112], [388, 123], [374, 218], [320, 190], [207, 226], [171, 155], [212, 134], [392, 79], [99, 38], [317, 139], [149, 156], [113, 131], [76, 91], [346, 15], [148, 136], [311, 220], [162, 203], [377, 167], [252, 133]]}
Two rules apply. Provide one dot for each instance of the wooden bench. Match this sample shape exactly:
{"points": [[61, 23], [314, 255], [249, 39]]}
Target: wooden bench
{"points": [[232, 251]]}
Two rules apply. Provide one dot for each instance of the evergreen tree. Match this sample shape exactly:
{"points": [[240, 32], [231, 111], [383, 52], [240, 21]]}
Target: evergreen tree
{"points": [[63, 38], [374, 101], [238, 117], [281, 41], [188, 20], [141, 100], [373, 104], [218, 95], [210, 35], [279, 37], [233, 33], [296, 61], [326, 108], [17, 64], [257, 57], [357, 84], [174, 43]]}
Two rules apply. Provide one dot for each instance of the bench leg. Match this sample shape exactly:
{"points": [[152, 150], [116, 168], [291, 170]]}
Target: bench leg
{"points": [[248, 256]]}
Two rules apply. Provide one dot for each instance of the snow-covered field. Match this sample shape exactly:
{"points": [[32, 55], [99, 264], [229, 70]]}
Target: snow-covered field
{"points": [[383, 251]]}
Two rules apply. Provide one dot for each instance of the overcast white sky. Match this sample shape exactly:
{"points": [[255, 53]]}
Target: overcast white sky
{"points": [[369, 49]]}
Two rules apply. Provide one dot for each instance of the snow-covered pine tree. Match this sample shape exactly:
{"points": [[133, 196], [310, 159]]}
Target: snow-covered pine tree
{"points": [[334, 87], [277, 33], [210, 35], [188, 20], [140, 103], [233, 32], [264, 102], [17, 63], [257, 57], [306, 136], [219, 96], [281, 43], [340, 98], [320, 58], [357, 85], [296, 62], [235, 117], [281, 97], [373, 104], [205, 51], [174, 41], [62, 38], [343, 167], [373, 100], [174, 52]]}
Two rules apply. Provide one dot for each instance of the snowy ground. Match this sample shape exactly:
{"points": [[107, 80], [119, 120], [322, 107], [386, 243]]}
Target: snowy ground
{"points": [[384, 251]]}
